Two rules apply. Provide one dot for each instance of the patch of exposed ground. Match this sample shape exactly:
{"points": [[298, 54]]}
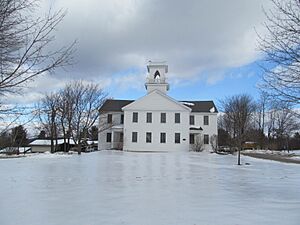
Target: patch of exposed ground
{"points": [[274, 157]]}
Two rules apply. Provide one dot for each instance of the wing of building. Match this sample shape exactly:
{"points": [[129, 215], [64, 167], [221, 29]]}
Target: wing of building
{"points": [[157, 122]]}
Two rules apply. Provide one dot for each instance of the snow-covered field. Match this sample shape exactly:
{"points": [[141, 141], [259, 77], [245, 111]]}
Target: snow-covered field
{"points": [[111, 187]]}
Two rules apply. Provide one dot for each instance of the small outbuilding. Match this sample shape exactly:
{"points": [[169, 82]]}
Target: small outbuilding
{"points": [[44, 145]]}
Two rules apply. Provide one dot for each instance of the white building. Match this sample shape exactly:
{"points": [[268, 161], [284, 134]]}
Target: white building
{"points": [[156, 122], [43, 145]]}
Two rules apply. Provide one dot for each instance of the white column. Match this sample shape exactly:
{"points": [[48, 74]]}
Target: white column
{"points": [[112, 139]]}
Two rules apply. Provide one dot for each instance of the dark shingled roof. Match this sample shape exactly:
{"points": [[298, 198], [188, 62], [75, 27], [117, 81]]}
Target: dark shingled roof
{"points": [[200, 106], [114, 105]]}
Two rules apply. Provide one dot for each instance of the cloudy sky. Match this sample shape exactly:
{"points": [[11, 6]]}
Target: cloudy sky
{"points": [[210, 46]]}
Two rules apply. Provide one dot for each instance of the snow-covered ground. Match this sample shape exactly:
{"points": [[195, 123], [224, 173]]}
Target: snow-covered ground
{"points": [[111, 187]]}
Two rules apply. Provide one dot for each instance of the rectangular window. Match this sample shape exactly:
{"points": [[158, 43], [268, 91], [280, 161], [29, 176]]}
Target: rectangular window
{"points": [[163, 117], [135, 117], [192, 139], [192, 120], [109, 118], [122, 119], [205, 122], [108, 137], [162, 137], [148, 137], [177, 138], [206, 139], [134, 137], [149, 117], [177, 117]]}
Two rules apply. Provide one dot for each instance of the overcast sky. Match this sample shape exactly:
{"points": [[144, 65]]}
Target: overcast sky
{"points": [[210, 45]]}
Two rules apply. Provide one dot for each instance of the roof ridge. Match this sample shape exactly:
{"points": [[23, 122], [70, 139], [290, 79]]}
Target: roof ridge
{"points": [[120, 100], [116, 105]]}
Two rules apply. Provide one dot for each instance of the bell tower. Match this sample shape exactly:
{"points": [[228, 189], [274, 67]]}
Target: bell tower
{"points": [[156, 79]]}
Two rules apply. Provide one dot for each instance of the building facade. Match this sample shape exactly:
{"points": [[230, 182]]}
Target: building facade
{"points": [[157, 122]]}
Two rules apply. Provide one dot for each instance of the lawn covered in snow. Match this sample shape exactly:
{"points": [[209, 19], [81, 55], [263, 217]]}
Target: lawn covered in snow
{"points": [[111, 187]]}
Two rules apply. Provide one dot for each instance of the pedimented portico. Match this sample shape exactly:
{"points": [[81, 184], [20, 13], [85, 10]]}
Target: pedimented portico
{"points": [[150, 110]]}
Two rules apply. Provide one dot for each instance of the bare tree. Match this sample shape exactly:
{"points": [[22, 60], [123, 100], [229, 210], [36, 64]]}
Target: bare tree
{"points": [[198, 145], [261, 110], [281, 50], [88, 99], [238, 112], [66, 109], [214, 142], [73, 111], [48, 115], [262, 107], [25, 43], [284, 124], [93, 133]]}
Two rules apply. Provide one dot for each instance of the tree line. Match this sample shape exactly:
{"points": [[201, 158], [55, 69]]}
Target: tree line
{"points": [[266, 123], [26, 52], [273, 121]]}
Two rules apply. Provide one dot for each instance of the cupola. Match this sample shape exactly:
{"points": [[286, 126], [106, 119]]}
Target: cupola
{"points": [[156, 78]]}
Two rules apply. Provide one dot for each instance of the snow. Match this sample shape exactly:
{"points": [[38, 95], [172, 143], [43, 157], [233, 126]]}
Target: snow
{"points": [[195, 127], [188, 103], [112, 187], [92, 142], [48, 155], [212, 110], [118, 127], [9, 149], [48, 142]]}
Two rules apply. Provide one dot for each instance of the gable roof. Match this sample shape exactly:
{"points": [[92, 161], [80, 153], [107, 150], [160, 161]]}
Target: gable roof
{"points": [[116, 105], [159, 93]]}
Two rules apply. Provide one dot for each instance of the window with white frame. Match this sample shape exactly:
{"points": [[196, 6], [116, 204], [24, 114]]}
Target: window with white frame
{"points": [[206, 139], [135, 117], [148, 137], [149, 117], [162, 137], [192, 139], [192, 120], [163, 117], [177, 138], [134, 137], [177, 117], [109, 118], [206, 120], [108, 137]]}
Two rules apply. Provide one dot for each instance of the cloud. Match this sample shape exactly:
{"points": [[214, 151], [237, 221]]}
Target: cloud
{"points": [[192, 36], [200, 39]]}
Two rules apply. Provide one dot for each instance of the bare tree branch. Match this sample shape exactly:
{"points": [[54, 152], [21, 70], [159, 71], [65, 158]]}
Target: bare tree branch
{"points": [[281, 48], [25, 42]]}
